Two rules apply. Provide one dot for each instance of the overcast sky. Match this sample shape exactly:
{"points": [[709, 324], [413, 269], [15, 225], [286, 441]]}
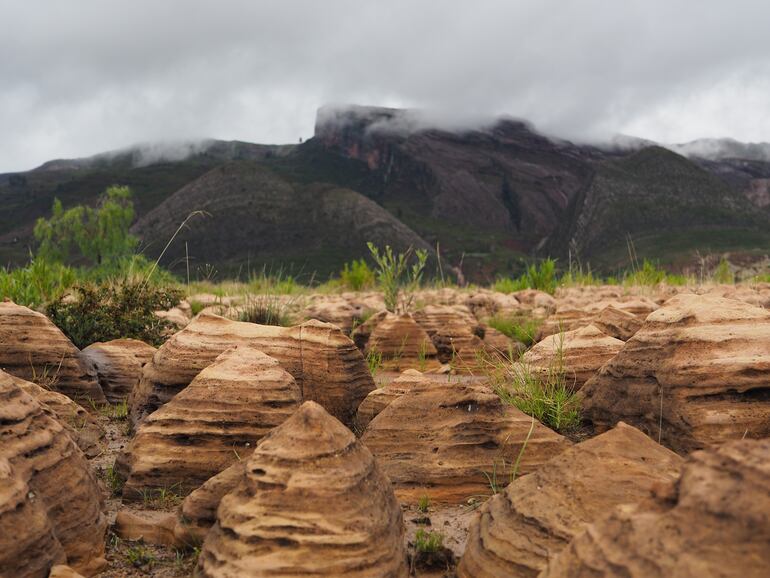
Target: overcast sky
{"points": [[79, 77]]}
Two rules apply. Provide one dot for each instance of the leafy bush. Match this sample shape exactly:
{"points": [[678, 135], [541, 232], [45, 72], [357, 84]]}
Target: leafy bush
{"points": [[357, 275], [100, 234], [523, 330], [114, 309], [398, 281], [38, 283], [540, 276]]}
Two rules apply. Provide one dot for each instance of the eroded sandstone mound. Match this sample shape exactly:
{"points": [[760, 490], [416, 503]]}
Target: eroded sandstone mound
{"points": [[402, 343], [28, 546], [520, 529], [438, 439], [325, 363], [312, 502], [57, 474], [579, 353], [33, 348], [699, 367], [617, 323], [84, 429], [380, 398], [211, 423], [118, 365], [714, 522]]}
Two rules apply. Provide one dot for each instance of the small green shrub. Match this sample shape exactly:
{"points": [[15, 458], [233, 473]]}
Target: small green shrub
{"points": [[398, 281], [112, 310], [139, 555], [196, 307], [723, 274], [423, 504], [114, 482], [357, 275], [428, 542], [546, 394], [267, 309], [523, 330], [648, 274], [510, 285], [374, 361]]}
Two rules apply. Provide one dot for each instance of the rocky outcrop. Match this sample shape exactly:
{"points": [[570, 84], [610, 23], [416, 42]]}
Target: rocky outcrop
{"points": [[211, 423], [579, 354], [439, 439], [33, 348], [325, 363], [28, 546], [617, 323], [47, 461], [714, 522], [84, 429], [312, 501], [199, 509], [118, 365], [380, 398], [696, 373], [520, 529], [402, 343]]}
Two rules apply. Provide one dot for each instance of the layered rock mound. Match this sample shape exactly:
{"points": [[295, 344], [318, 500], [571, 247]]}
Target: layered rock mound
{"points": [[327, 366], [579, 353], [42, 455], [28, 546], [211, 423], [402, 343], [520, 529], [617, 323], [439, 439], [118, 365], [312, 501], [84, 429], [714, 522], [381, 397], [699, 367], [33, 348]]}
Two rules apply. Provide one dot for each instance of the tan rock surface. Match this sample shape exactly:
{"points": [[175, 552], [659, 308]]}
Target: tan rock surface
{"points": [[118, 365], [403, 344], [325, 363], [28, 546], [520, 529], [438, 439], [84, 429], [699, 366], [581, 353], [617, 323], [312, 502], [211, 423], [380, 398], [33, 348], [714, 522], [44, 457]]}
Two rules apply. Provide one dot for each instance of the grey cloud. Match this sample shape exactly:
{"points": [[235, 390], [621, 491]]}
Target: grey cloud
{"points": [[84, 76]]}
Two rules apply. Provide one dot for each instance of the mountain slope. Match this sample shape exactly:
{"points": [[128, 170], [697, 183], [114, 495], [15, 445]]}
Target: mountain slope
{"points": [[255, 218]]}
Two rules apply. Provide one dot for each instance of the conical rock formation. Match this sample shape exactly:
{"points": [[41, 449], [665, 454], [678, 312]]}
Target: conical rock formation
{"points": [[118, 365], [520, 529], [440, 439], [402, 343], [312, 502], [327, 366], [697, 373], [33, 348], [579, 353], [211, 423], [714, 522], [44, 457]]}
